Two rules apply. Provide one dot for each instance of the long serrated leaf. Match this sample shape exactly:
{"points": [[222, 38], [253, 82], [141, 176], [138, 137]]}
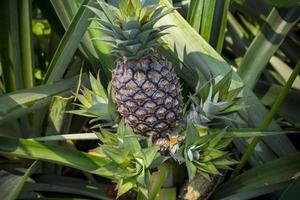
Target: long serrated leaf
{"points": [[97, 86], [11, 185], [89, 191], [26, 43], [58, 120], [261, 180], [191, 169], [194, 15], [208, 8], [167, 193], [127, 138], [68, 44], [107, 137], [19, 103], [191, 134], [234, 108], [61, 155], [219, 25], [67, 185], [157, 180], [217, 138], [289, 109], [194, 52], [125, 185], [100, 110], [149, 153], [292, 191], [267, 41], [10, 46], [232, 133], [212, 154], [269, 117], [233, 94], [209, 168], [284, 71], [223, 86], [66, 10], [116, 155]]}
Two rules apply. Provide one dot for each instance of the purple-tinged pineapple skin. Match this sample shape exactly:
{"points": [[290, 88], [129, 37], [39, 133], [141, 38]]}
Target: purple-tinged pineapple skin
{"points": [[148, 95]]}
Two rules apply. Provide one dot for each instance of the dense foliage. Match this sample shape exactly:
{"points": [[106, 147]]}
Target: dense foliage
{"points": [[227, 125]]}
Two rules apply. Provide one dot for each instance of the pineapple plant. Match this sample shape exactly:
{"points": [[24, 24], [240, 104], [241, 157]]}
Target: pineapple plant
{"points": [[93, 160], [145, 86], [215, 104]]}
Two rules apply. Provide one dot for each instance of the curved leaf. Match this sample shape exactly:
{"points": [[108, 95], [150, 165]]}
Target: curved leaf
{"points": [[69, 44], [31, 149], [260, 180], [67, 185], [21, 102], [267, 42], [195, 53], [11, 185], [292, 192]]}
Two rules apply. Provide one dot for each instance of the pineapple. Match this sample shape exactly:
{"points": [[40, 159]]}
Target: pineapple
{"points": [[145, 86]]}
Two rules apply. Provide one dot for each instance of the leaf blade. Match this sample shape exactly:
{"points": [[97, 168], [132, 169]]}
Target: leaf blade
{"points": [[272, 173]]}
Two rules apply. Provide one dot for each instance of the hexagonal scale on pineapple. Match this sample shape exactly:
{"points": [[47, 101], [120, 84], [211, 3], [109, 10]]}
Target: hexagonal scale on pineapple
{"points": [[149, 88], [132, 120], [139, 97], [122, 109], [170, 116], [131, 88], [168, 102], [150, 119], [158, 96], [154, 76], [127, 75], [141, 112], [163, 83], [130, 104], [139, 78], [142, 128], [161, 113], [150, 105]]}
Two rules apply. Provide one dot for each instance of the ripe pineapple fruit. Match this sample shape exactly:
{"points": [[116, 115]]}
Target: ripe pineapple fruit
{"points": [[145, 86]]}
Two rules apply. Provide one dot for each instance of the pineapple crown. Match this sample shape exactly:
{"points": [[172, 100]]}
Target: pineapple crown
{"points": [[215, 103], [203, 154], [129, 26], [95, 102]]}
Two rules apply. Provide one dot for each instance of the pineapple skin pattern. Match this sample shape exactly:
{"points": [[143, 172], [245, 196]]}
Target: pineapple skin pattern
{"points": [[148, 95], [145, 86]]}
